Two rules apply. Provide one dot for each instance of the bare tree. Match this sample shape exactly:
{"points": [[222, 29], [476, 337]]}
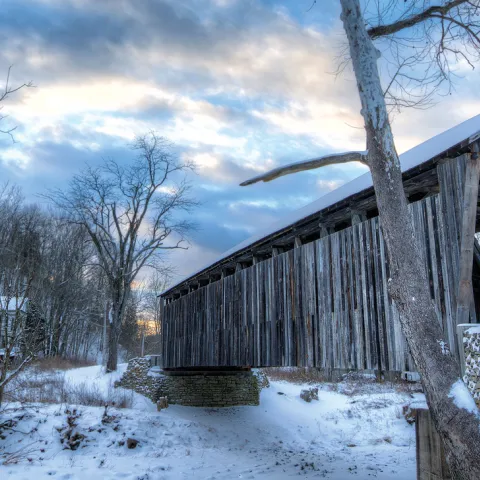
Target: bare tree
{"points": [[66, 292], [7, 91], [423, 42], [457, 27], [157, 283], [131, 216], [65, 298], [21, 328]]}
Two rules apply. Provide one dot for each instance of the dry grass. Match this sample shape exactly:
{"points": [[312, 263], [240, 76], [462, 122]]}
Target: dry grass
{"points": [[295, 374], [60, 363], [51, 387], [402, 386], [352, 383]]}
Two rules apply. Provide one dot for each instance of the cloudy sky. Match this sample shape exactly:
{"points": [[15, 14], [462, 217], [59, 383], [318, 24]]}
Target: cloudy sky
{"points": [[239, 86]]}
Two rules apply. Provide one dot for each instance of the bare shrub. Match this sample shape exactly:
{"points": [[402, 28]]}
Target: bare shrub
{"points": [[351, 383], [70, 437], [20, 455], [123, 399], [92, 396], [85, 394], [34, 387], [356, 383], [51, 387]]}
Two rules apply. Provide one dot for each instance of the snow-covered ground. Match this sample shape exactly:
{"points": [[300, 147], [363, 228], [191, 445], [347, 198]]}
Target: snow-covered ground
{"points": [[340, 436]]}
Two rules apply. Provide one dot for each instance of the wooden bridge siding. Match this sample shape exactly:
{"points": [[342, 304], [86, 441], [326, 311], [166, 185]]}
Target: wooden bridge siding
{"points": [[451, 176], [323, 304]]}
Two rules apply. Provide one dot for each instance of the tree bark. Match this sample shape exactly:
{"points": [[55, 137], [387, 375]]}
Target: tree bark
{"points": [[120, 298], [114, 320], [408, 285], [112, 346]]}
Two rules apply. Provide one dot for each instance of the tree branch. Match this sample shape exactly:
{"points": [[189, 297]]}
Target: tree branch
{"points": [[395, 27], [13, 374], [308, 165]]}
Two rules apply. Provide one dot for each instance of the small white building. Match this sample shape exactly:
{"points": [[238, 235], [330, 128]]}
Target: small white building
{"points": [[10, 308]]}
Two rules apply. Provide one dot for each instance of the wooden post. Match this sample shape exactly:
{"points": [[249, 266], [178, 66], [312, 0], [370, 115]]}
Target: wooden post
{"points": [[470, 198], [275, 251], [238, 266], [298, 242], [431, 463], [461, 349], [325, 230], [358, 216]]}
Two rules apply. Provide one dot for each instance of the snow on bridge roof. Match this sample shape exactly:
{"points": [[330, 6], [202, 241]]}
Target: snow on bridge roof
{"points": [[468, 130]]}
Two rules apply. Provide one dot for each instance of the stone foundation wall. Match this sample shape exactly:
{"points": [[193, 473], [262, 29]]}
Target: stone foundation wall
{"points": [[471, 344], [138, 378], [227, 389], [213, 390]]}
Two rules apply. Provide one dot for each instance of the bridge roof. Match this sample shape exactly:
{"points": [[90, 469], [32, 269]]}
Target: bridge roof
{"points": [[440, 146]]}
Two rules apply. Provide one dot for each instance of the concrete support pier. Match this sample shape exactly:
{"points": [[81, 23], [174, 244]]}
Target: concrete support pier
{"points": [[205, 387]]}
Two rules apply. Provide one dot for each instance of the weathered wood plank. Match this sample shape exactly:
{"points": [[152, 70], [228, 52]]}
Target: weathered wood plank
{"points": [[468, 220]]}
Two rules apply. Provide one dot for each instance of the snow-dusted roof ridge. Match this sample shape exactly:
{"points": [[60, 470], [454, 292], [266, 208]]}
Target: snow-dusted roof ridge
{"points": [[427, 150]]}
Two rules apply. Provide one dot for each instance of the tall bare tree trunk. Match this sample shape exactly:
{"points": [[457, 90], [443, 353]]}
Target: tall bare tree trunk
{"points": [[120, 297], [3, 375], [409, 286], [112, 345]]}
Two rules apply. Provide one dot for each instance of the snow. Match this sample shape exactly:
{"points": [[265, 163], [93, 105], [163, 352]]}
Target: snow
{"points": [[343, 435], [474, 330], [13, 351], [444, 347], [11, 304], [470, 129], [462, 397]]}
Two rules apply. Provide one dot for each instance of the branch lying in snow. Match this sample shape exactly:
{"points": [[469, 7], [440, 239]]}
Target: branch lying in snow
{"points": [[308, 165]]}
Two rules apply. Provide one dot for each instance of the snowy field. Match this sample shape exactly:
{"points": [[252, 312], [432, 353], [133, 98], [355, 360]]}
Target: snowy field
{"points": [[343, 435]]}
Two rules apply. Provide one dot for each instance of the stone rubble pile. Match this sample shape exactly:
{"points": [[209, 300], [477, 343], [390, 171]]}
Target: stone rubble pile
{"points": [[471, 344]]}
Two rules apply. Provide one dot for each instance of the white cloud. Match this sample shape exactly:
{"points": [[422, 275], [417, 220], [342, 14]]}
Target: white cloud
{"points": [[259, 203], [205, 160], [329, 185], [13, 157]]}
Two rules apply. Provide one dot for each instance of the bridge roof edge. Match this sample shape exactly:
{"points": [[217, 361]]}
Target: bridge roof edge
{"points": [[460, 135]]}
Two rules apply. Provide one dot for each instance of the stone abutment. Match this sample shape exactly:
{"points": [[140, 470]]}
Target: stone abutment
{"points": [[195, 388]]}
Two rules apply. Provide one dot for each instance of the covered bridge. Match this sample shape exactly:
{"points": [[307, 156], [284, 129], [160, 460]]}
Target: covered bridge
{"points": [[311, 289]]}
